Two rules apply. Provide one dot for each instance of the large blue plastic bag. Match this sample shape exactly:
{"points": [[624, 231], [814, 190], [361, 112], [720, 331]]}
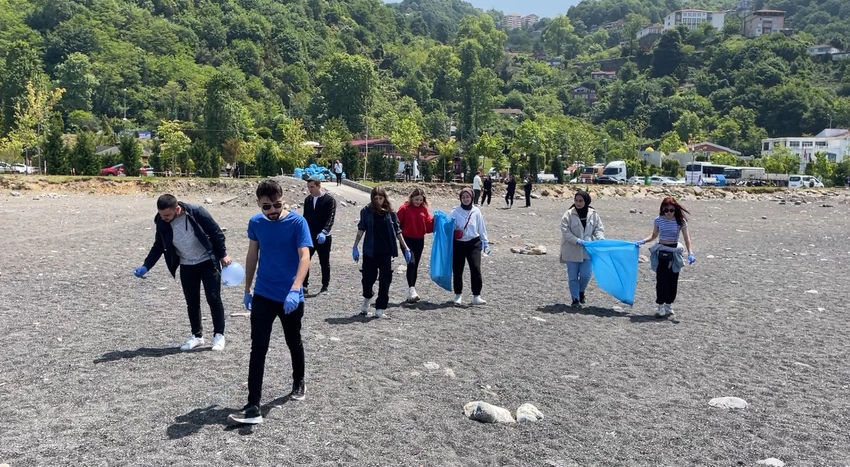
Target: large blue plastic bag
{"points": [[441, 250], [615, 267]]}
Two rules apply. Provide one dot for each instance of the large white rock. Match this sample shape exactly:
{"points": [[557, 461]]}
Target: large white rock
{"points": [[771, 461], [728, 403], [528, 413], [487, 413]]}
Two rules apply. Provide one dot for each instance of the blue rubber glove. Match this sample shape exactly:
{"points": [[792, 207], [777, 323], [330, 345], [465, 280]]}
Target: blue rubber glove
{"points": [[321, 238], [485, 247], [640, 242], [691, 258], [247, 299], [140, 271], [355, 254], [293, 298], [407, 256], [581, 242]]}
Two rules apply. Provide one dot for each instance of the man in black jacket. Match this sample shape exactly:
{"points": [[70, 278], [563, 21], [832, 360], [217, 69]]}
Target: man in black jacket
{"points": [[320, 210], [188, 236]]}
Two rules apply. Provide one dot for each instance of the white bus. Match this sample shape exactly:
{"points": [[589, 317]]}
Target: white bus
{"points": [[703, 173]]}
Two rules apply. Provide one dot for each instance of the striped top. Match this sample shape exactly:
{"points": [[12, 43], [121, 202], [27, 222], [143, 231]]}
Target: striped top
{"points": [[668, 229]]}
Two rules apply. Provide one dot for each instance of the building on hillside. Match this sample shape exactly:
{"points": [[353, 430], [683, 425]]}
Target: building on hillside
{"points": [[835, 142], [509, 112], [614, 25], [763, 22], [378, 144], [840, 56], [588, 95], [823, 49], [648, 35], [651, 157], [515, 20], [609, 75], [691, 18]]}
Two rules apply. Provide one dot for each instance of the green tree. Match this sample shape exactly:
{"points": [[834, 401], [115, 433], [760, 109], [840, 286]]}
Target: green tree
{"points": [[724, 158], [406, 137], [292, 141], [668, 54], [267, 158], [76, 76], [204, 159], [53, 148], [174, 145], [224, 115], [688, 127], [560, 38], [346, 83], [352, 163], [822, 167], [557, 168], [22, 69], [670, 143], [131, 154], [85, 159], [670, 167], [780, 161]]}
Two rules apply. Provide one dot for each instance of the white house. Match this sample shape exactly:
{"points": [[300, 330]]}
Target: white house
{"points": [[691, 18], [823, 49], [835, 142]]}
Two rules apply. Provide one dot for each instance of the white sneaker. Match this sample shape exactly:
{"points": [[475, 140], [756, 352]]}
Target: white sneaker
{"points": [[412, 296], [379, 313], [218, 342], [669, 309], [364, 307], [662, 311], [458, 299], [192, 343], [477, 300]]}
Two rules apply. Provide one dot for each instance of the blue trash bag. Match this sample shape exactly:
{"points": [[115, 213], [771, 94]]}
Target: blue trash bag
{"points": [[615, 267], [298, 173], [441, 250]]}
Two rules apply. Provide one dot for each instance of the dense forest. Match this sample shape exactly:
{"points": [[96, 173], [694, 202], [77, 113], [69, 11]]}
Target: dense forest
{"points": [[225, 81]]}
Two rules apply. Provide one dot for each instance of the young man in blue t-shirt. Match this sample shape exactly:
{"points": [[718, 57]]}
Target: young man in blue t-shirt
{"points": [[284, 239]]}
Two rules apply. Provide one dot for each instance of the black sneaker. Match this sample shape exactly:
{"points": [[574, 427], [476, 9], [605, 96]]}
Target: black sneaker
{"points": [[324, 289], [304, 290], [575, 304], [581, 297], [297, 393], [249, 415]]}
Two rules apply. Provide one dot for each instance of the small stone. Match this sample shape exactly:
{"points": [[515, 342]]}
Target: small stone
{"points": [[764, 217], [15, 193], [450, 373], [632, 211], [208, 200], [812, 291], [709, 256], [431, 366], [240, 314], [537, 318], [487, 413], [528, 413], [771, 461], [728, 403]]}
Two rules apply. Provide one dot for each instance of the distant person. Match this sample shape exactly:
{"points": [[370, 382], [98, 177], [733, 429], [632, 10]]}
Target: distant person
{"points": [[666, 256], [526, 187], [408, 171], [337, 168], [380, 225], [511, 192], [415, 222], [488, 190], [189, 238], [279, 252], [579, 225], [470, 240], [320, 212], [476, 187]]}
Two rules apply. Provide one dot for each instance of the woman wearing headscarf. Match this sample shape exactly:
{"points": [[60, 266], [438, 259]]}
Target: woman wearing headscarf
{"points": [[470, 239], [579, 225], [667, 255]]}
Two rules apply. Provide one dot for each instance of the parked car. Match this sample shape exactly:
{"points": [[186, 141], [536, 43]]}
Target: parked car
{"points": [[609, 180], [22, 169], [5, 167], [670, 181], [636, 180], [114, 170], [146, 171], [804, 181]]}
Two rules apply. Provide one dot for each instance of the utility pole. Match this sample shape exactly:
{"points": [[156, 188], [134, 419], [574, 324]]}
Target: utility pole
{"points": [[366, 157], [125, 104]]}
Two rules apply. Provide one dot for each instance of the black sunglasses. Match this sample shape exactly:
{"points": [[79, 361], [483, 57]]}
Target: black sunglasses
{"points": [[669, 210], [276, 205]]}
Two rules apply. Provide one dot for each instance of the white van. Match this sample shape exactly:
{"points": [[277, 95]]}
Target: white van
{"points": [[804, 181]]}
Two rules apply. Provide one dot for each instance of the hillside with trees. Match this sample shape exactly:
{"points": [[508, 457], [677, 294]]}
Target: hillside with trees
{"points": [[247, 81]]}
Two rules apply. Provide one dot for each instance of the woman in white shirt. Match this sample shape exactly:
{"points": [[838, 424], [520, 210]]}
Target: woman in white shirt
{"points": [[470, 239], [579, 225]]}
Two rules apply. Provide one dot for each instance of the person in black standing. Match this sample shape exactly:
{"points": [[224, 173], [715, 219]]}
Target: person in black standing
{"points": [[488, 190], [319, 211], [527, 188], [509, 196]]}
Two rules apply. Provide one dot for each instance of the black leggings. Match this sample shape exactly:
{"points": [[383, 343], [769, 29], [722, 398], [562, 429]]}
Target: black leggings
{"points": [[509, 198], [380, 268], [467, 252], [191, 278], [486, 196], [666, 283], [416, 246]]}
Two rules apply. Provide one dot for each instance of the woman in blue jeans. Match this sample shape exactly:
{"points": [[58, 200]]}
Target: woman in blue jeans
{"points": [[580, 224]]}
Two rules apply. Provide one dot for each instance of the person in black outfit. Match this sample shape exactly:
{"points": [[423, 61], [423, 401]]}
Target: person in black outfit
{"points": [[319, 211], [488, 191], [527, 188], [509, 196]]}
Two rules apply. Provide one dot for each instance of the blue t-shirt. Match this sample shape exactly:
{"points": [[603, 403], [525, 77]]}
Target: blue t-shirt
{"points": [[279, 243]]}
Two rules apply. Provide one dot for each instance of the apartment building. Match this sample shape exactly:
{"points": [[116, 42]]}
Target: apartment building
{"points": [[835, 142], [763, 22], [691, 18], [515, 20]]}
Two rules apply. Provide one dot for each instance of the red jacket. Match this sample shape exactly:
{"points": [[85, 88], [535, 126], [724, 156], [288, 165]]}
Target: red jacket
{"points": [[415, 221]]}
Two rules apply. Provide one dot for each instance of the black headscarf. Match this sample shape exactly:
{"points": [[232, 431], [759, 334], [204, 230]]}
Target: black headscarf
{"points": [[582, 213]]}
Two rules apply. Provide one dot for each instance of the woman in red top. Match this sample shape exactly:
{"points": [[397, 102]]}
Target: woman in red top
{"points": [[415, 222]]}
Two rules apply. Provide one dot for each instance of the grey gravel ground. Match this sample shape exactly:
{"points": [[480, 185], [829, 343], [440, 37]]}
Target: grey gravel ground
{"points": [[91, 374]]}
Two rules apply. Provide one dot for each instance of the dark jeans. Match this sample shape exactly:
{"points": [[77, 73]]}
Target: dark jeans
{"points": [[528, 199], [324, 251], [416, 246], [666, 283], [338, 178], [191, 278], [467, 252], [476, 194], [487, 197], [263, 313], [509, 198], [372, 265]]}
